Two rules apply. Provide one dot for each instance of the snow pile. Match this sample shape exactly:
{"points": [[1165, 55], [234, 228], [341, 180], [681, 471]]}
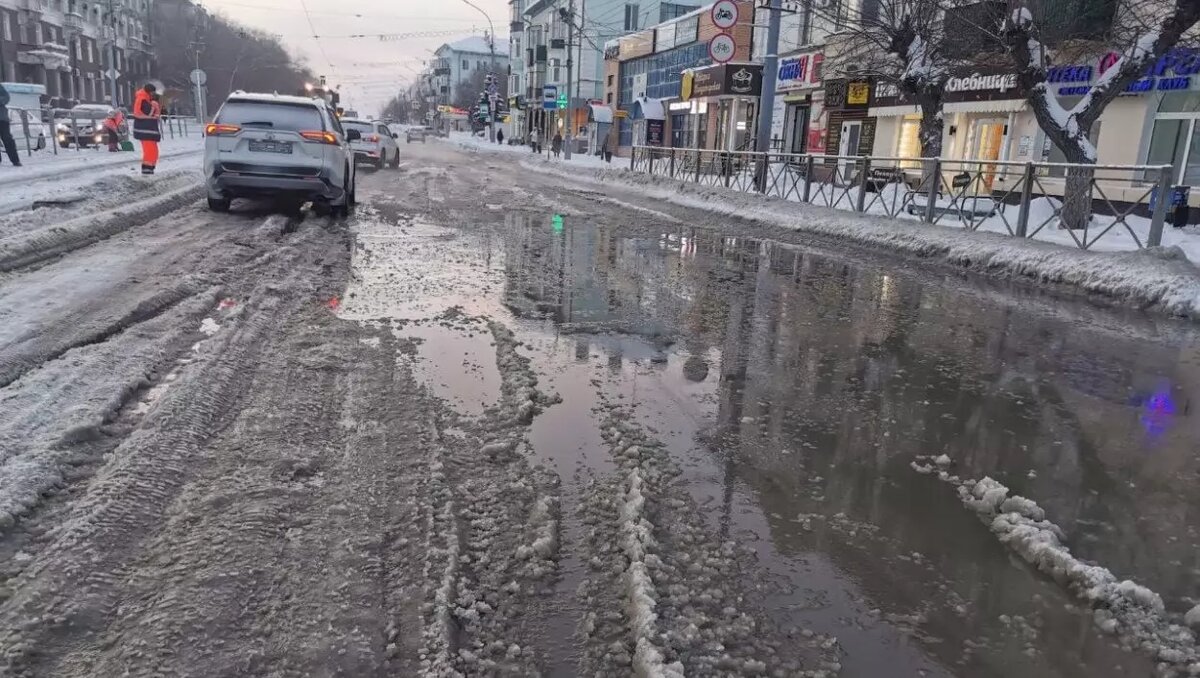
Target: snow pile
{"points": [[1121, 607], [1136, 278], [441, 569]]}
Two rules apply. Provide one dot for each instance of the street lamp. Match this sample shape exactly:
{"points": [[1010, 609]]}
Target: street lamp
{"points": [[492, 50]]}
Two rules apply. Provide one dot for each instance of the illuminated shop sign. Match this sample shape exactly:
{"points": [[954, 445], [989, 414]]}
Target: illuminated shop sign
{"points": [[1173, 71]]}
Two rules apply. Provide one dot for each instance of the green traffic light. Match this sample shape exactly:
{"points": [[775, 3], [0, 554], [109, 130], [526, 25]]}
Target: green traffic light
{"points": [[556, 222]]}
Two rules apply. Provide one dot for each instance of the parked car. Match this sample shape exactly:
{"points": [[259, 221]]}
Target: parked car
{"points": [[30, 128], [83, 125], [292, 148], [377, 146], [418, 133]]}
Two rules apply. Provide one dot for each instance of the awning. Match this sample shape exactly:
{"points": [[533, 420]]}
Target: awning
{"points": [[647, 109], [600, 113], [893, 111], [1000, 106]]}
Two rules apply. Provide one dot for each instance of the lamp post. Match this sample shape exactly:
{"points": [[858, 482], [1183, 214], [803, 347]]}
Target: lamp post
{"points": [[492, 49]]}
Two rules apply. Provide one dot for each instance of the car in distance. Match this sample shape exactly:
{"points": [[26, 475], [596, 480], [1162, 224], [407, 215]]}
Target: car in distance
{"points": [[290, 148], [377, 145], [418, 133]]}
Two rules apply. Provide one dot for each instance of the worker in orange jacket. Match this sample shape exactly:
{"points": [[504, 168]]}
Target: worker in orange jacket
{"points": [[146, 112]]}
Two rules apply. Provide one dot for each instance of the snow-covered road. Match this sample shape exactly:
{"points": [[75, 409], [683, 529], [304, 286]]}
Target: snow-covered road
{"points": [[500, 424]]}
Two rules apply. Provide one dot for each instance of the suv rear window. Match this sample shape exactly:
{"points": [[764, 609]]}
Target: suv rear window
{"points": [[364, 128], [266, 115]]}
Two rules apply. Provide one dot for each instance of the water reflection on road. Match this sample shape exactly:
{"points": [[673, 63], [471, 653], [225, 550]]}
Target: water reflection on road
{"points": [[818, 378]]}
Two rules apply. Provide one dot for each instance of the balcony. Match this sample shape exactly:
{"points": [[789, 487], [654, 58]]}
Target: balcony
{"points": [[73, 22]]}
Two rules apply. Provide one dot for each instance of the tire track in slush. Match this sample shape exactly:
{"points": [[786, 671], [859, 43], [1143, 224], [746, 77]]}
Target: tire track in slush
{"points": [[72, 589]]}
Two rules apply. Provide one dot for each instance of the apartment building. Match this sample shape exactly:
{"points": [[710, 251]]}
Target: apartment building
{"points": [[542, 32], [69, 46]]}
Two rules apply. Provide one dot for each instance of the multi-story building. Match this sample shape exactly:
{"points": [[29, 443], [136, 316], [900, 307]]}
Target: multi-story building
{"points": [[458, 68], [69, 46], [544, 31]]}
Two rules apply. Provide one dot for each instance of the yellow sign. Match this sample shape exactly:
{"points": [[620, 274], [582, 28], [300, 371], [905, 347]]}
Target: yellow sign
{"points": [[685, 88], [858, 93]]}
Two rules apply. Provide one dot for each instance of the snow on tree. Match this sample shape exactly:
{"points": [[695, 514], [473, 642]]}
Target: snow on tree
{"points": [[1039, 34], [904, 43]]}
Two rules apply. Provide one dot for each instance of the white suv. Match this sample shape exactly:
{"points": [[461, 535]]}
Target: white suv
{"points": [[269, 145], [377, 145]]}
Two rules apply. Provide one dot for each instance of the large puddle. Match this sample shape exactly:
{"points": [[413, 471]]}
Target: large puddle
{"points": [[796, 387]]}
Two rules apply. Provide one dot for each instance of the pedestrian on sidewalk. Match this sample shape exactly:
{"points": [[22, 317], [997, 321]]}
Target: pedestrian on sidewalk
{"points": [[6, 137], [145, 125], [556, 144], [500, 137], [534, 141]]}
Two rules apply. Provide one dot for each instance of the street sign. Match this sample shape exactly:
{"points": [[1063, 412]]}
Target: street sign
{"points": [[112, 74], [549, 97], [722, 47], [725, 14], [562, 101], [198, 77]]}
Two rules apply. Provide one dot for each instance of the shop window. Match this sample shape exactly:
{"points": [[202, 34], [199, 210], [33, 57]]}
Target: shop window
{"points": [[1052, 153], [909, 141]]}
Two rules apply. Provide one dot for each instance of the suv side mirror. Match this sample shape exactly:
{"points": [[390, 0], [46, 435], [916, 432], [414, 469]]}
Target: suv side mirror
{"points": [[353, 135], [395, 135]]}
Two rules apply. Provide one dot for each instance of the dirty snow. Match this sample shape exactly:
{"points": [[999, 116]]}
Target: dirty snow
{"points": [[1134, 613]]}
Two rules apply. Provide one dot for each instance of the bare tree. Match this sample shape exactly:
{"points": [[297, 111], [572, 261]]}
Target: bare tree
{"points": [[1037, 34], [907, 44]]}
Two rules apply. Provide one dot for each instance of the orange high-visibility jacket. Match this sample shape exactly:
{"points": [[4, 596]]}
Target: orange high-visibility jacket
{"points": [[145, 122]]}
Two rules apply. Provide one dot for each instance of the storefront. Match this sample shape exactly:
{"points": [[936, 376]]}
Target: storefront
{"points": [[726, 96], [850, 125], [983, 114], [798, 122]]}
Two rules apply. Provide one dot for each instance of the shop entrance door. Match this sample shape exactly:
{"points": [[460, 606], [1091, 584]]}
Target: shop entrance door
{"points": [[987, 140], [798, 134], [848, 145]]}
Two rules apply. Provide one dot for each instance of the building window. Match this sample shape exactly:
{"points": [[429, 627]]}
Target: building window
{"points": [[610, 80], [631, 17], [7, 25], [466, 65], [608, 98], [909, 140], [1175, 140]]}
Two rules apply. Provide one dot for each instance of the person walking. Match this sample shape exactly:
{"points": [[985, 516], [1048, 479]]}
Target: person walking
{"points": [[146, 112], [533, 141], [6, 137], [500, 137], [556, 144]]}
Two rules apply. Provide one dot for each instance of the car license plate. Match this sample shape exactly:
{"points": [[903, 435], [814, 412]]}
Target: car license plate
{"points": [[270, 146]]}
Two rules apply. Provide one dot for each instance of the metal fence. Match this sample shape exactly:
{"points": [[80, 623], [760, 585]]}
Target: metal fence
{"points": [[54, 130], [1079, 204]]}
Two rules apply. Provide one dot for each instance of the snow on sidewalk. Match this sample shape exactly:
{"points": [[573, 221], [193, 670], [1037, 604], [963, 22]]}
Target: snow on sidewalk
{"points": [[1159, 278], [72, 174], [45, 163]]}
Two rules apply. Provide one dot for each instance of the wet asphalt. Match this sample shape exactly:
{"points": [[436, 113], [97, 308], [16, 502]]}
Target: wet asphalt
{"points": [[794, 382]]}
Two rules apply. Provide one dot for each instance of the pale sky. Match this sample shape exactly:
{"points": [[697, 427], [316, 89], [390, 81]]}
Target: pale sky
{"points": [[369, 70]]}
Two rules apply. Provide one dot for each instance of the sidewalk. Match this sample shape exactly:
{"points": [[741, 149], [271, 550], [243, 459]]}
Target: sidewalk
{"points": [[1163, 279], [45, 163], [466, 140], [47, 176]]}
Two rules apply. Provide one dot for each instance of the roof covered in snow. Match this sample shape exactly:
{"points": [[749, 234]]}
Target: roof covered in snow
{"points": [[476, 44], [275, 98]]}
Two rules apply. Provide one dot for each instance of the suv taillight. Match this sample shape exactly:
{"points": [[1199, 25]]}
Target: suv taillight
{"points": [[214, 129], [371, 138], [322, 137]]}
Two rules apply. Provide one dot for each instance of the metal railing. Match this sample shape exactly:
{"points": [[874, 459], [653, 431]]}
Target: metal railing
{"points": [[32, 132], [1022, 199]]}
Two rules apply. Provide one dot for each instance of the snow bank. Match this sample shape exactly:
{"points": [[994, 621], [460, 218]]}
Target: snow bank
{"points": [[50, 241], [1128, 610], [1163, 279]]}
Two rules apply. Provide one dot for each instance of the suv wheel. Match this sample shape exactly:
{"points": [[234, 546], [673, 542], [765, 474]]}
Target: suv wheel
{"points": [[219, 204]]}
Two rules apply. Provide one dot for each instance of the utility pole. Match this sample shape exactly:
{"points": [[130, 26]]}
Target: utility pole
{"points": [[568, 140], [112, 52], [766, 108]]}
